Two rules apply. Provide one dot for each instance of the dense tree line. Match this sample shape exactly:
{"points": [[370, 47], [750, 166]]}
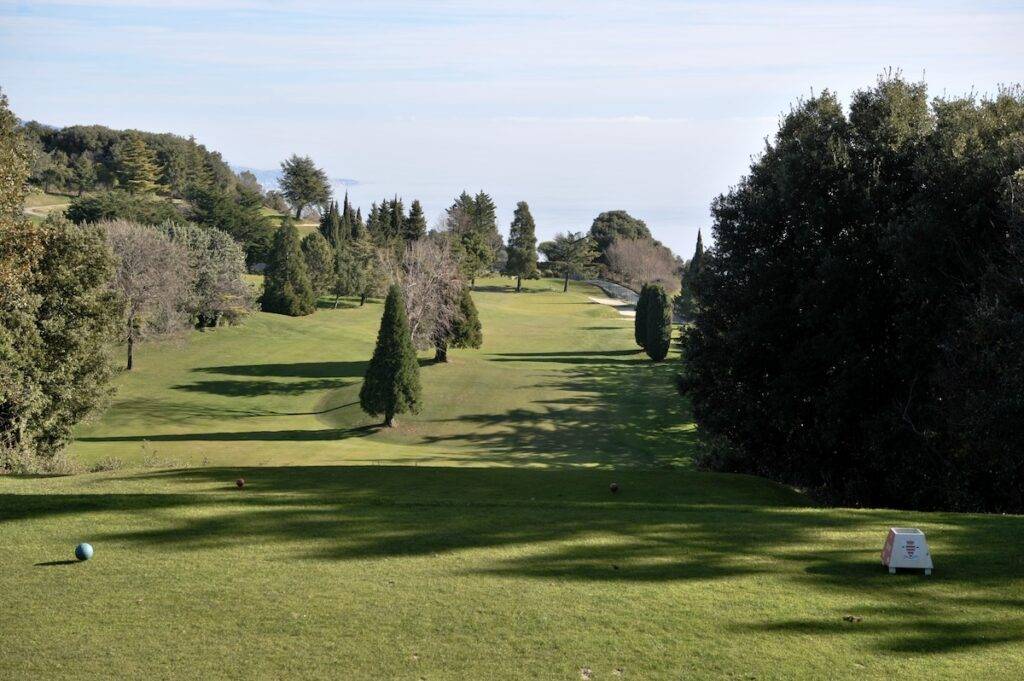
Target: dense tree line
{"points": [[69, 293], [148, 178], [82, 158], [859, 322]]}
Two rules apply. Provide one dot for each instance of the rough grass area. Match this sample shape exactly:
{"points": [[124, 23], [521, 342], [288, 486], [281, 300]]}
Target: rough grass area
{"points": [[490, 547], [557, 382], [390, 572]]}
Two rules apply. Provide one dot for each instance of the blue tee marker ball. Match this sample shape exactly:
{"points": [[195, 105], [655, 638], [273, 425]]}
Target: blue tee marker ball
{"points": [[83, 551]]}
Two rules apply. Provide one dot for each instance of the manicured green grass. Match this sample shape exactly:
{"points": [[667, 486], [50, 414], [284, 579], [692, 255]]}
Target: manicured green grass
{"points": [[558, 381], [397, 572], [494, 551]]}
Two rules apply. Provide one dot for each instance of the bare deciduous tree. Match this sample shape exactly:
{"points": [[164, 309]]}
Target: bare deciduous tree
{"points": [[154, 280], [643, 261], [431, 282]]}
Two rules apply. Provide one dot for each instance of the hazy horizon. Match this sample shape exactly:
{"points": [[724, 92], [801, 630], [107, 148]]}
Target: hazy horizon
{"points": [[576, 107]]}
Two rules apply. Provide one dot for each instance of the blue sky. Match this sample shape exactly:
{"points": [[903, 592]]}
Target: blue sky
{"points": [[575, 106]]}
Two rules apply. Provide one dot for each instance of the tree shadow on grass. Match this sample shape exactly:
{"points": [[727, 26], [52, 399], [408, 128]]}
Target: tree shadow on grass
{"points": [[606, 411], [295, 435], [295, 370], [511, 288], [232, 388], [565, 525]]}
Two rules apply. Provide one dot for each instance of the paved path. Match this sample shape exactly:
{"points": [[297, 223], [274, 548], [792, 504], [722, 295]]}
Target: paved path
{"points": [[616, 291], [621, 298]]}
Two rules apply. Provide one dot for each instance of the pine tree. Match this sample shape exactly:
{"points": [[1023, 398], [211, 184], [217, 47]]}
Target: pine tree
{"points": [[303, 184], [465, 331], [522, 245], [392, 382], [640, 320], [138, 169], [415, 226], [286, 285], [658, 320], [320, 262]]}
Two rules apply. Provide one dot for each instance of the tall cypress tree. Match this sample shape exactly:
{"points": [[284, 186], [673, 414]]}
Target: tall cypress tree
{"points": [[392, 382], [698, 256], [415, 226], [465, 331], [522, 245], [658, 320], [686, 303], [286, 285], [640, 320], [331, 225]]}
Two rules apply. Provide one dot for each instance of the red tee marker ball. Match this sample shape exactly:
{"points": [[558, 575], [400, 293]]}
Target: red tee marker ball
{"points": [[614, 487], [240, 483]]}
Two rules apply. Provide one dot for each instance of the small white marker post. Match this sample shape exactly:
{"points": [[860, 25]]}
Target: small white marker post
{"points": [[906, 547]]}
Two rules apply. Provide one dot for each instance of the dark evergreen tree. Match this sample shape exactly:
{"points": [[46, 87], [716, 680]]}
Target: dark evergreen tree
{"points": [[698, 256], [465, 331], [640, 319], [349, 221], [396, 219], [286, 285], [657, 319], [332, 227], [686, 302], [320, 262], [392, 382], [522, 245], [415, 226], [859, 322]]}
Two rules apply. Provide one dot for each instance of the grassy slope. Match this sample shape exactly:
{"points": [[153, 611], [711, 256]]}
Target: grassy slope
{"points": [[38, 205], [467, 572], [557, 382]]}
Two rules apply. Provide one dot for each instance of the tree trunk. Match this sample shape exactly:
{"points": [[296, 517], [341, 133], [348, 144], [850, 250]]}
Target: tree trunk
{"points": [[472, 282], [566, 287], [389, 420], [298, 213], [131, 349], [519, 283], [336, 299], [362, 299], [442, 352]]}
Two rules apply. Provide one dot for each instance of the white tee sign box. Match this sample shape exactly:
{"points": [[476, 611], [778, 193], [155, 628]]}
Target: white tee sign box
{"points": [[906, 547]]}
